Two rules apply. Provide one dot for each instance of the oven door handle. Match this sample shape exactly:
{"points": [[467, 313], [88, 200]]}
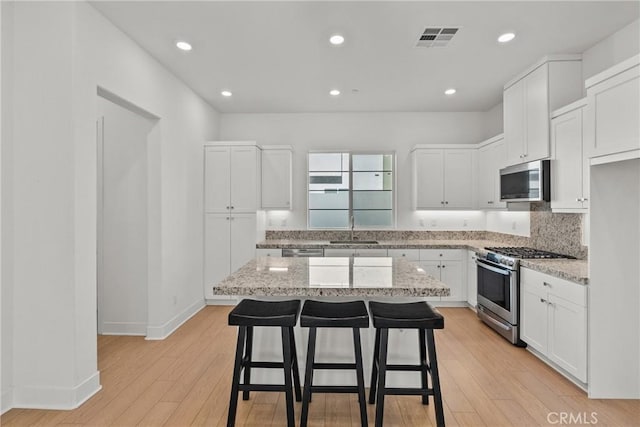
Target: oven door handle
{"points": [[496, 323], [494, 269]]}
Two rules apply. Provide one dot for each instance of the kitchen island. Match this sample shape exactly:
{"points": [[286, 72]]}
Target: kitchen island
{"points": [[331, 277], [334, 279]]}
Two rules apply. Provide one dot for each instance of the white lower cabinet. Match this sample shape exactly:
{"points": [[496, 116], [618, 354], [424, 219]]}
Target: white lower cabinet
{"points": [[268, 252], [554, 320], [447, 266], [230, 242]]}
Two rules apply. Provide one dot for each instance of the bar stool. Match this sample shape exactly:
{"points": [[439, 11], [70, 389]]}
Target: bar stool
{"points": [[316, 314], [424, 318], [247, 314]]}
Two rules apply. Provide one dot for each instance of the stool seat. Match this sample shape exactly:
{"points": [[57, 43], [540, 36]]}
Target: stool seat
{"points": [[265, 313], [320, 314], [414, 315]]}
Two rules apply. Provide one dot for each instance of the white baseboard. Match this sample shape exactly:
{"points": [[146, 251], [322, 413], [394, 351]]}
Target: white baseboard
{"points": [[124, 328], [6, 401], [163, 331], [227, 301], [58, 398]]}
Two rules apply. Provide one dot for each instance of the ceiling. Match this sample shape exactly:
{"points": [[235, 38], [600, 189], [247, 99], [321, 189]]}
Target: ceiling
{"points": [[275, 56]]}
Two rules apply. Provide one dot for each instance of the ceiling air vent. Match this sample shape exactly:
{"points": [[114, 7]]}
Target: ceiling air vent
{"points": [[436, 36]]}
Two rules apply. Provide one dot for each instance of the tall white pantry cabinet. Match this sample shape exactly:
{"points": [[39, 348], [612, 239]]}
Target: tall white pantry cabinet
{"points": [[231, 200]]}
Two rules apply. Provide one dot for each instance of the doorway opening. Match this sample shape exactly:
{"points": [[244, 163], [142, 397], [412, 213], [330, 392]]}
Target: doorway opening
{"points": [[127, 141]]}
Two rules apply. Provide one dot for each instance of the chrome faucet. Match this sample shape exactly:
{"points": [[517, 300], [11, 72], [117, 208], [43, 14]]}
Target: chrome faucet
{"points": [[353, 224]]}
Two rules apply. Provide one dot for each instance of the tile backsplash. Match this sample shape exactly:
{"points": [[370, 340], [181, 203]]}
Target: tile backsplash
{"points": [[549, 231]]}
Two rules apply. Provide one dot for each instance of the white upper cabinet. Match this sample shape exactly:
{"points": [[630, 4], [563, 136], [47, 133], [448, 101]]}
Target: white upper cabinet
{"points": [[443, 178], [231, 177], [612, 116], [491, 158], [276, 177], [528, 101], [570, 168]]}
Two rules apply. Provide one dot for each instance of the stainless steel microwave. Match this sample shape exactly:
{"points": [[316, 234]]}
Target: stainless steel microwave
{"points": [[527, 182]]}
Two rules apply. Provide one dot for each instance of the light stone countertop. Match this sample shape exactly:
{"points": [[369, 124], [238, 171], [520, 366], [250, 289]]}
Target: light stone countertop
{"points": [[574, 270], [568, 269], [331, 276]]}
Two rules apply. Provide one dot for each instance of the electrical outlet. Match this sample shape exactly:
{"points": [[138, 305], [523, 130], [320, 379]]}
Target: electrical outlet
{"points": [[465, 223], [513, 225], [434, 223], [422, 223], [283, 222]]}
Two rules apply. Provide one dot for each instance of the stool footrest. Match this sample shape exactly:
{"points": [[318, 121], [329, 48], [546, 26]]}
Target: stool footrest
{"points": [[333, 389], [265, 365], [408, 391], [417, 368], [262, 387], [334, 366]]}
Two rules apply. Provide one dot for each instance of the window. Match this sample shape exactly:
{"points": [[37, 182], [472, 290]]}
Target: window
{"points": [[346, 185]]}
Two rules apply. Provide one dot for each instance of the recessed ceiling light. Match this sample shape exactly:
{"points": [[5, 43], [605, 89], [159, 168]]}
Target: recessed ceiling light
{"points": [[506, 37], [334, 92], [226, 93], [336, 39], [450, 91], [182, 45]]}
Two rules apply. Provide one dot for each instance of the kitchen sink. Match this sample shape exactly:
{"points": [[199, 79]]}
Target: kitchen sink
{"points": [[354, 242]]}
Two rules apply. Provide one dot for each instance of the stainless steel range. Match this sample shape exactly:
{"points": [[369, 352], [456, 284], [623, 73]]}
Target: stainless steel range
{"points": [[499, 287]]}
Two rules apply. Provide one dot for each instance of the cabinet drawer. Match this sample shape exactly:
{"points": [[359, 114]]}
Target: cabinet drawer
{"points": [[408, 254], [339, 252], [572, 292], [269, 252], [441, 254], [370, 252]]}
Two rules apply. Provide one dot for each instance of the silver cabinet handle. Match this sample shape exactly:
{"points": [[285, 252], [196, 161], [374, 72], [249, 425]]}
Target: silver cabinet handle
{"points": [[231, 207], [578, 199], [442, 203], [446, 203], [543, 300], [227, 218], [490, 202], [438, 266], [228, 207], [443, 266], [546, 284], [585, 199]]}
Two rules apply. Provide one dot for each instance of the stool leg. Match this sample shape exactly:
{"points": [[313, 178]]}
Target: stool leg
{"points": [[435, 378], [296, 369], [360, 375], [246, 361], [423, 363], [374, 369], [308, 376], [235, 382], [286, 351], [382, 374]]}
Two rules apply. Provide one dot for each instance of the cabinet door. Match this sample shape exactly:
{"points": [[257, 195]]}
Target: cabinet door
{"points": [[276, 179], [243, 239], [408, 254], [217, 257], [458, 179], [432, 268], [217, 183], [486, 179], [537, 114], [568, 336], [451, 275], [472, 280], [428, 179], [514, 125], [566, 142], [244, 179], [615, 114], [533, 317]]}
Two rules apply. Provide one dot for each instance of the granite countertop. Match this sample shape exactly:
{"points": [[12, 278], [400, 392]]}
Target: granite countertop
{"points": [[331, 276], [574, 270], [569, 269]]}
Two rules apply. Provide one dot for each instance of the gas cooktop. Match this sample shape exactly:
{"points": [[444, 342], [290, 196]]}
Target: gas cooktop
{"points": [[527, 253]]}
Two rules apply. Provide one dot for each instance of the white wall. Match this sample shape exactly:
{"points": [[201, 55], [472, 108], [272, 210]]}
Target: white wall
{"points": [[614, 281], [494, 121], [619, 46], [63, 52], [360, 131]]}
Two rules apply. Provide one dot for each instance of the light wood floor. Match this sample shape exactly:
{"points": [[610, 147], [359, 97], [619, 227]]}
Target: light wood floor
{"points": [[185, 380]]}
